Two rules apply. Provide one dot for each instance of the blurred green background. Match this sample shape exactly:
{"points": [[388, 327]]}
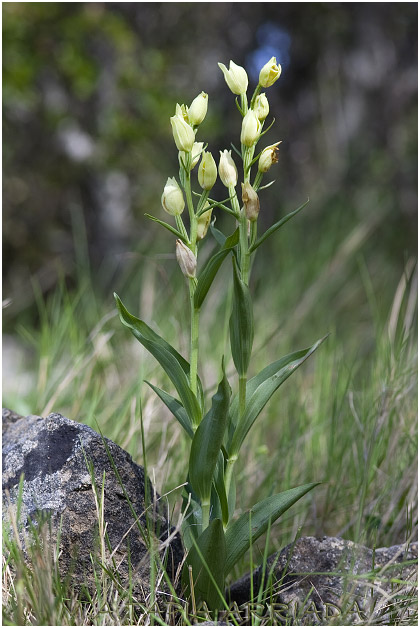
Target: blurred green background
{"points": [[88, 89]]}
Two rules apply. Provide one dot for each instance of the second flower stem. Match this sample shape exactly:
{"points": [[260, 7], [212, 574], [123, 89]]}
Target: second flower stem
{"points": [[195, 317], [194, 312]]}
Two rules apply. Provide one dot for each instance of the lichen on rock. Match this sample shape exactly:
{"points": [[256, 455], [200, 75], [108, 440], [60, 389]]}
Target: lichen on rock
{"points": [[62, 462]]}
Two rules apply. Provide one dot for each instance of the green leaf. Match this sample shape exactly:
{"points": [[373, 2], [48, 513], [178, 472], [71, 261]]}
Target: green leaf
{"points": [[217, 235], [207, 559], [174, 365], [207, 441], [241, 323], [219, 484], [209, 272], [261, 388], [275, 227], [215, 508], [232, 496], [238, 532], [175, 407], [168, 227], [191, 524]]}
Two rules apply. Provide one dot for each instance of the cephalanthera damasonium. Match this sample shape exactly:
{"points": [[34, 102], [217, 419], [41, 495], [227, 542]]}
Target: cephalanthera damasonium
{"points": [[217, 427]]}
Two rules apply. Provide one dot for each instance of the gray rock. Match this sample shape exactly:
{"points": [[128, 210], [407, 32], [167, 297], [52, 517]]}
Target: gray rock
{"points": [[55, 454], [316, 579]]}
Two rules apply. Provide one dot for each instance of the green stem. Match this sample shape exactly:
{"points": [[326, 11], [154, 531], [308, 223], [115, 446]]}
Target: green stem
{"points": [[248, 157], [244, 248], [194, 313], [228, 473], [257, 181], [242, 395], [193, 217], [244, 103], [181, 227], [195, 317], [205, 515], [255, 94]]}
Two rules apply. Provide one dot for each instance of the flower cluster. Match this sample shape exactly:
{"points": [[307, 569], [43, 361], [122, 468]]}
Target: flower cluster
{"points": [[185, 124]]}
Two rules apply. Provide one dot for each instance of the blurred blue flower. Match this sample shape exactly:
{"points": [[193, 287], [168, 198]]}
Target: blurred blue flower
{"points": [[273, 41]]}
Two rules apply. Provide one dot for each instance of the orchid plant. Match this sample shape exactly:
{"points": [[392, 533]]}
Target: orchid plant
{"points": [[214, 538]]}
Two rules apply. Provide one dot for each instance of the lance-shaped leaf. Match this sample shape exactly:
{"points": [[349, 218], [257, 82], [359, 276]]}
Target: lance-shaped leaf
{"points": [[241, 323], [207, 275], [207, 559], [241, 533], [265, 384], [275, 227], [175, 407], [253, 383], [208, 440], [191, 523], [175, 366], [219, 484]]}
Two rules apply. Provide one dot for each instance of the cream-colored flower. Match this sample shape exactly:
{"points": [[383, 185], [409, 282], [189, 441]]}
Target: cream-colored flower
{"points": [[198, 109], [261, 107], [251, 201], [270, 72], [203, 223], [268, 157], [181, 110], [184, 135], [236, 77], [207, 171], [251, 128], [173, 198], [186, 259], [227, 170]]}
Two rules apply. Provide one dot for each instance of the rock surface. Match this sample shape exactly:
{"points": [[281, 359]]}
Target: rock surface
{"points": [[54, 454], [318, 578]]}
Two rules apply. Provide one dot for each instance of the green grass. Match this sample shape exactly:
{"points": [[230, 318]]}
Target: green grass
{"points": [[347, 418]]}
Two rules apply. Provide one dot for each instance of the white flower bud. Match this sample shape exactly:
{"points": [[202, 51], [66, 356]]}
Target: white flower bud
{"points": [[251, 201], [198, 109], [183, 134], [173, 198], [207, 171], [203, 223], [268, 157], [186, 259], [236, 77], [251, 128], [227, 169], [270, 73], [261, 107]]}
